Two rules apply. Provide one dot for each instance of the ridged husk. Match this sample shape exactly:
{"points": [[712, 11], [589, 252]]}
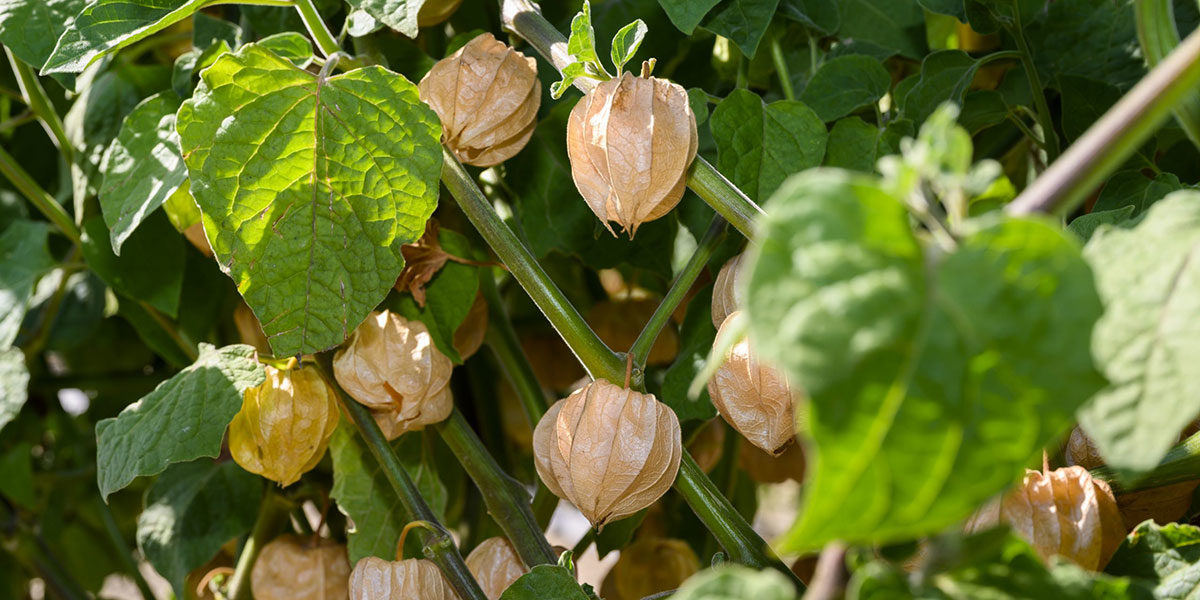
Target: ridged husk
{"points": [[630, 142], [608, 450], [765, 468], [619, 322], [495, 566], [1063, 513], [390, 365], [652, 565], [413, 579], [433, 12], [284, 425], [727, 294], [1082, 451], [487, 96], [754, 398], [289, 568]]}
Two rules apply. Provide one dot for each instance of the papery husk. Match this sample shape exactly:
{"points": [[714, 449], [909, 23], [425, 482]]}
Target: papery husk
{"points": [[433, 12], [249, 329], [1081, 450], [292, 568], [766, 468], [754, 398], [487, 96], [652, 565], [413, 579], [195, 234], [727, 290], [630, 142], [284, 425], [708, 445], [468, 338], [1066, 513], [391, 365], [554, 365], [619, 322], [495, 566], [1165, 504], [608, 450]]}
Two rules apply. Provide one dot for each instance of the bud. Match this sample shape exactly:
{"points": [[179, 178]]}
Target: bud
{"points": [[652, 565], [630, 142], [495, 566], [391, 365], [576, 455], [284, 425], [290, 568], [727, 291], [754, 398], [765, 468], [433, 12], [470, 333], [487, 96], [619, 322], [1064, 512], [413, 579]]}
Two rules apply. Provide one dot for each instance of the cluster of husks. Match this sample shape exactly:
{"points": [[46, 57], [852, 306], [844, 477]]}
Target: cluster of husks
{"points": [[754, 398], [290, 568], [390, 365], [495, 566], [630, 142], [608, 450], [284, 425], [1064, 512], [650, 566], [413, 579], [487, 96]]}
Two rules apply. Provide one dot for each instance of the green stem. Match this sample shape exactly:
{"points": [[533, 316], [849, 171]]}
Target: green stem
{"points": [[272, 516], [503, 340], [1181, 464], [43, 201], [437, 544], [1158, 36], [37, 101], [523, 18], [781, 69], [171, 330], [124, 553], [506, 500], [678, 291], [1035, 86], [1117, 135], [600, 362], [321, 35]]}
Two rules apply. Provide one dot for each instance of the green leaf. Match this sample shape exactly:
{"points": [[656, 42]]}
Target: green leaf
{"points": [[1165, 558], [819, 15], [105, 26], [742, 21], [698, 100], [945, 75], [582, 42], [897, 25], [364, 494], [696, 339], [194, 406], [1150, 283], [1131, 188], [448, 296], [150, 330], [308, 195], [209, 31], [193, 509], [16, 472], [29, 28], [142, 167], [845, 84], [291, 46], [933, 377], [570, 73], [190, 63], [14, 384], [24, 258], [1086, 225], [400, 15], [625, 43], [735, 581], [1083, 102], [759, 145], [687, 14], [853, 145], [545, 581], [953, 8], [151, 269], [1097, 40]]}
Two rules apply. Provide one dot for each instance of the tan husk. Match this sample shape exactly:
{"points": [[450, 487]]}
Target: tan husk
{"points": [[413, 579], [495, 566], [765, 468], [1082, 451], [1165, 504], [708, 444], [619, 322], [470, 333], [1064, 512], [291, 568], [390, 365], [754, 398], [727, 294], [487, 96], [652, 565], [433, 12], [608, 450], [630, 142], [249, 329], [284, 425]]}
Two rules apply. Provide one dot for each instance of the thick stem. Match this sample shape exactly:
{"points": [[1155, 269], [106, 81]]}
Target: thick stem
{"points": [[37, 101], [1035, 87], [272, 515], [1117, 135], [523, 18], [438, 546], [506, 500], [321, 35], [124, 553], [678, 291], [43, 201], [1158, 36], [600, 362]]}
